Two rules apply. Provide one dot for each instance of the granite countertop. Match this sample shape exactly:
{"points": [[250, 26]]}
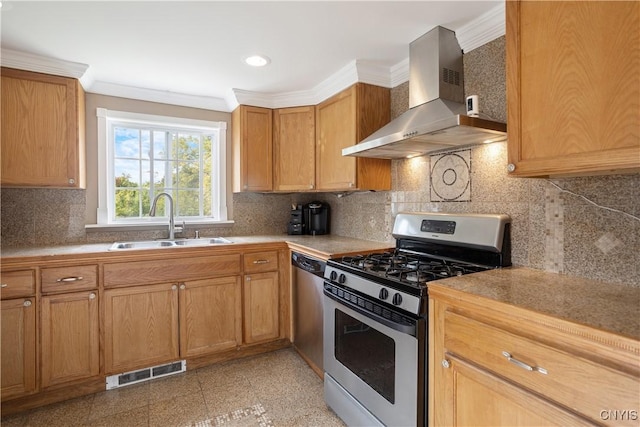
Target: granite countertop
{"points": [[325, 246], [606, 306]]}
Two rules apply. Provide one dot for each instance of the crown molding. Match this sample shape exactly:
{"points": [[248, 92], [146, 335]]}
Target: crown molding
{"points": [[162, 97], [480, 31], [485, 28], [42, 64]]}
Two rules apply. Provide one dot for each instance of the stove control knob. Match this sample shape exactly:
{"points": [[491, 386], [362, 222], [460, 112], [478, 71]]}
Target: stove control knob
{"points": [[342, 278], [384, 294], [397, 299], [333, 276]]}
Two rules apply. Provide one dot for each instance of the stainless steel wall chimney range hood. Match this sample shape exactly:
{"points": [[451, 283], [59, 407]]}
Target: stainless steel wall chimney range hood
{"points": [[437, 118]]}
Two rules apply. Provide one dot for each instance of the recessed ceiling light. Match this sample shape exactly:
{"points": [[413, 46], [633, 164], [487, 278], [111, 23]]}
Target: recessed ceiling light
{"points": [[257, 60]]}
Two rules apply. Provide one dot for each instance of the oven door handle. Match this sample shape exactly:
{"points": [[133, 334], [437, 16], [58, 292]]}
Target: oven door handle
{"points": [[405, 329]]}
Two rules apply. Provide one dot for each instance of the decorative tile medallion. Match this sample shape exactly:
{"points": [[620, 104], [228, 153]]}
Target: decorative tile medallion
{"points": [[252, 416], [451, 177]]}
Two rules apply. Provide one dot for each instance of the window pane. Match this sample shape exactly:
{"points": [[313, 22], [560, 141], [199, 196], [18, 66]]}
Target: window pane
{"points": [[159, 171], [146, 202], [126, 173], [127, 203], [146, 144], [188, 175], [127, 142], [159, 145], [188, 147], [188, 203]]}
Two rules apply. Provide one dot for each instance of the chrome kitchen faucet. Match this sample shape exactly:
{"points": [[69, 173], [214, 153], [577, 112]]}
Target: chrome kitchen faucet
{"points": [[172, 227]]}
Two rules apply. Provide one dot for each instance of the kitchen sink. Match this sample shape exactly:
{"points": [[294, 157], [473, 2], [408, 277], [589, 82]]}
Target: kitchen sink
{"points": [[159, 244]]}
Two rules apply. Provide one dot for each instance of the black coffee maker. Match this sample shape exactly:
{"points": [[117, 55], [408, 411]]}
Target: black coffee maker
{"points": [[316, 218]]}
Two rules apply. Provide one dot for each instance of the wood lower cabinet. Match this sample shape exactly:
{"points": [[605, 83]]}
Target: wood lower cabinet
{"points": [[70, 348], [483, 399], [294, 144], [140, 327], [42, 130], [344, 120], [210, 315], [261, 307], [252, 148], [497, 364], [18, 347], [573, 86]]}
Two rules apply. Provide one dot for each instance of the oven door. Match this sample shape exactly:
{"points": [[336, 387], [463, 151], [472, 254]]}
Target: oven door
{"points": [[374, 363]]}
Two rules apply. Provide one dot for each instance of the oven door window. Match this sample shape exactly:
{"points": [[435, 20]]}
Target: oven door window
{"points": [[367, 353]]}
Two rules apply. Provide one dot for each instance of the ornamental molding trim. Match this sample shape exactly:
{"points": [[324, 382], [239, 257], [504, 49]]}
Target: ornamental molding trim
{"points": [[485, 28]]}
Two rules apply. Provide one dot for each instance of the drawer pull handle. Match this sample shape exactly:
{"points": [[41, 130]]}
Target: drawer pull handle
{"points": [[4, 285], [522, 364], [261, 261], [70, 279]]}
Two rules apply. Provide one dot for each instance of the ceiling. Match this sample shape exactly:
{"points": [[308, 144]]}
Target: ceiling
{"points": [[190, 53]]}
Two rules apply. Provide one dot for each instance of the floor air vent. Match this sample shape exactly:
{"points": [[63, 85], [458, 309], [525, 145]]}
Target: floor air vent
{"points": [[134, 377]]}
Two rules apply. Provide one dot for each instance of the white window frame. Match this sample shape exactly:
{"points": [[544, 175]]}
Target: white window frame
{"points": [[105, 164]]}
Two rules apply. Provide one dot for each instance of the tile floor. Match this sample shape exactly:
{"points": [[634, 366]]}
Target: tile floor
{"points": [[273, 389]]}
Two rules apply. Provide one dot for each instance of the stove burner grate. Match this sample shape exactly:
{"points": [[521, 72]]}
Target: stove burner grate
{"points": [[408, 268]]}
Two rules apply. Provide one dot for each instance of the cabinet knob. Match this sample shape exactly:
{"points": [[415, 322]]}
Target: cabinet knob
{"points": [[183, 286], [27, 303], [174, 287], [248, 278], [72, 181], [310, 186], [511, 167], [351, 185], [446, 364], [92, 295]]}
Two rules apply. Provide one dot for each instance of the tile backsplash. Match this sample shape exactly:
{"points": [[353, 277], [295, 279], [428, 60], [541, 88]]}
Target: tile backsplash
{"points": [[585, 226]]}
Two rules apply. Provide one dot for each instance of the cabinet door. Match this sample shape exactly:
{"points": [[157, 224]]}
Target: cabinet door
{"points": [[573, 82], [18, 347], [252, 148], [69, 336], [42, 130], [335, 130], [261, 307], [140, 327], [210, 315], [294, 142], [476, 397]]}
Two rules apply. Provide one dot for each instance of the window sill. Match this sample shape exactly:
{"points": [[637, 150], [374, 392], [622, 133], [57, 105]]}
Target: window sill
{"points": [[152, 226]]}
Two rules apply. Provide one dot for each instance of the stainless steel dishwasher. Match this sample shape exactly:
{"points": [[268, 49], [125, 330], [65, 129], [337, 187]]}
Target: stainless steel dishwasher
{"points": [[308, 284]]}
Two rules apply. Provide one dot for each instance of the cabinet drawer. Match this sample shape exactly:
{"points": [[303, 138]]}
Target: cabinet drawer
{"points": [[69, 279], [256, 262], [169, 270], [577, 383], [17, 284]]}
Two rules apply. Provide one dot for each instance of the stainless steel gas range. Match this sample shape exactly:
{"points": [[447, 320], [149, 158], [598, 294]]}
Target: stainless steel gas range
{"points": [[375, 313]]}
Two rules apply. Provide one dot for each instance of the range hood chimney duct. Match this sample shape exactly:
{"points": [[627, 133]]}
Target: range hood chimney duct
{"points": [[436, 119]]}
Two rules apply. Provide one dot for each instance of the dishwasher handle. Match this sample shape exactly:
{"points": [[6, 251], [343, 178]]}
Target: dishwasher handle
{"points": [[307, 263]]}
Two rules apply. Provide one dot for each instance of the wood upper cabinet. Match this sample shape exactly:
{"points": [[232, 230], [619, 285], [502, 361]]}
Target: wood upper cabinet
{"points": [[294, 142], [573, 87], [252, 148], [140, 327], [42, 130], [344, 120], [18, 371], [496, 364], [210, 315], [69, 335]]}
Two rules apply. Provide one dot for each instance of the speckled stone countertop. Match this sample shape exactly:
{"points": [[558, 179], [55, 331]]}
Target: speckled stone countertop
{"points": [[325, 246], [606, 306]]}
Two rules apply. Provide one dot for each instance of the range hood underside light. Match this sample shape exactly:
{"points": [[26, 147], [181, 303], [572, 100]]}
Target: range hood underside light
{"points": [[463, 131]]}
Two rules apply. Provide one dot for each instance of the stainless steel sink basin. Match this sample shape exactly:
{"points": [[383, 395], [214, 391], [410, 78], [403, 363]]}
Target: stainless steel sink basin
{"points": [[203, 241], [159, 244]]}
